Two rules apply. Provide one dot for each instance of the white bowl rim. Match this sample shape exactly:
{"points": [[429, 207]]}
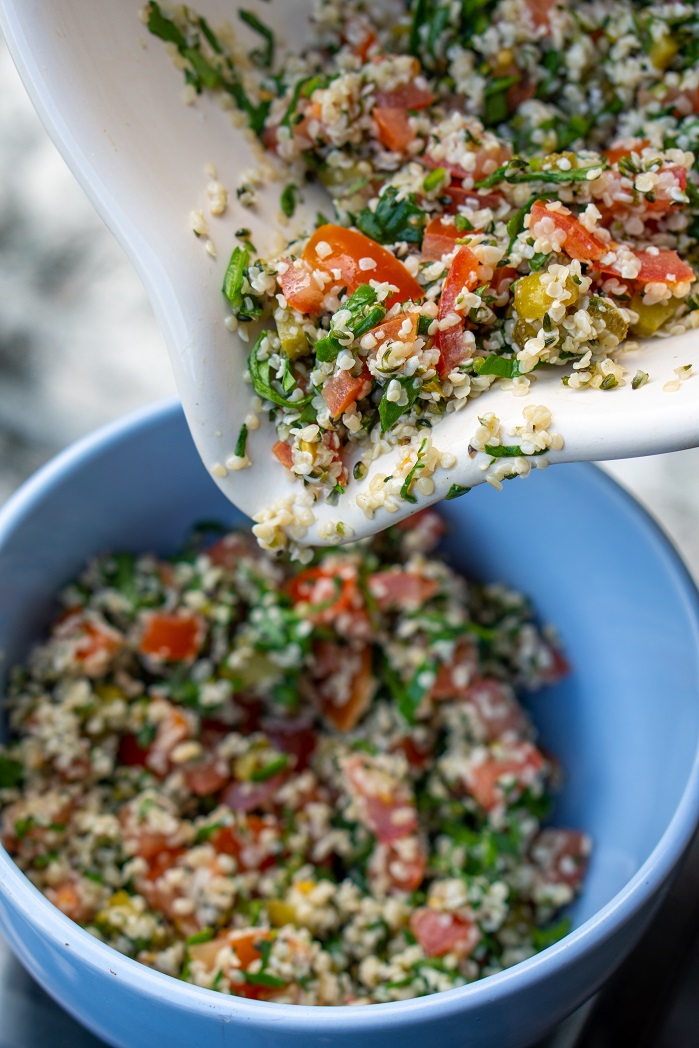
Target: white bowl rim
{"points": [[633, 897]]}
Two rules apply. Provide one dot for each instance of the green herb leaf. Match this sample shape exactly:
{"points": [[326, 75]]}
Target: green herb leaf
{"points": [[11, 772], [393, 220], [390, 411], [263, 979], [164, 28], [262, 380], [269, 770], [366, 312], [288, 200], [265, 56], [205, 935], [434, 179], [235, 276], [503, 367], [543, 937], [406, 489], [241, 442], [507, 451], [518, 170], [455, 492]]}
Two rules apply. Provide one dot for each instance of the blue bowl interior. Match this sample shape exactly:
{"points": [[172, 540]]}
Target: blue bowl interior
{"points": [[625, 724]]}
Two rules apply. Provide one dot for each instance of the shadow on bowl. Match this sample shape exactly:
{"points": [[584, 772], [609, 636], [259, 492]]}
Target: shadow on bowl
{"points": [[625, 726]]}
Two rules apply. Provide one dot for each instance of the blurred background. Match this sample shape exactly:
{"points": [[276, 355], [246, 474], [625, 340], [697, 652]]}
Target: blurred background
{"points": [[79, 347]]}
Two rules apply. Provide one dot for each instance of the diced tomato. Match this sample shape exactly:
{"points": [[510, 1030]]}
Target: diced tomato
{"points": [[453, 677], [388, 808], [345, 389], [174, 726], [440, 238], [394, 130], [495, 710], [473, 198], [230, 549], [174, 637], [327, 592], [346, 709], [540, 11], [245, 943], [392, 330], [252, 796], [660, 266], [347, 247], [300, 288], [161, 861], [624, 148], [68, 898], [491, 154], [244, 840], [401, 589], [283, 452], [415, 755], [462, 276], [206, 777], [407, 96], [505, 776], [561, 856], [426, 528], [364, 47], [94, 642], [578, 242], [131, 753], [502, 279], [399, 866], [439, 933], [296, 737]]}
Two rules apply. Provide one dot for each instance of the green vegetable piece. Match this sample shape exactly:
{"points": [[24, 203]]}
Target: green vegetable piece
{"points": [[543, 937], [455, 492], [406, 489], [507, 451], [639, 379], [393, 220], [262, 380], [434, 179], [269, 770], [241, 442], [235, 276], [390, 411], [495, 107], [11, 772], [205, 935], [288, 200], [423, 325], [604, 309], [503, 367], [263, 57], [263, 979], [164, 28], [366, 312], [518, 170]]}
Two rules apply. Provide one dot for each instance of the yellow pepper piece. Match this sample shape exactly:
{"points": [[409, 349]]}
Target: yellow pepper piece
{"points": [[280, 913], [244, 766], [663, 51], [293, 339], [305, 886], [120, 898], [650, 318], [531, 299]]}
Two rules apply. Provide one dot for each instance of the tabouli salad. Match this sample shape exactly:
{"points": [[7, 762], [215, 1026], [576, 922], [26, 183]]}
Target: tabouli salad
{"points": [[514, 186], [305, 785]]}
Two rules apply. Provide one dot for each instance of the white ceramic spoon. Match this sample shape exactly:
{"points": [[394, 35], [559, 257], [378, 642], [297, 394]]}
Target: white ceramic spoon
{"points": [[110, 98]]}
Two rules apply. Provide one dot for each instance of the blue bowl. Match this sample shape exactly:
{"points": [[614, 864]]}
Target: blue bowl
{"points": [[625, 725]]}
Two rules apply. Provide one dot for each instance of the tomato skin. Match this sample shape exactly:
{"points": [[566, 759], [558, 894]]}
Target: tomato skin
{"points": [[394, 130], [663, 267], [401, 589], [463, 274], [300, 289], [439, 932], [171, 637], [347, 247], [345, 389], [439, 239], [283, 453], [578, 242]]}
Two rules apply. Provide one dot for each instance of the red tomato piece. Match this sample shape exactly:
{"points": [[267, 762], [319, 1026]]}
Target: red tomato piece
{"points": [[578, 242], [472, 198], [462, 276], [67, 897], [394, 130], [440, 238], [505, 776], [252, 796], [347, 247], [387, 804], [364, 46], [393, 330], [300, 288], [283, 453], [426, 527], [345, 389], [296, 737], [207, 777], [131, 753], [328, 593], [171, 636], [496, 711], [454, 677], [625, 148], [226, 552], [399, 866], [245, 842], [356, 698], [561, 855], [439, 933], [540, 11], [401, 589], [94, 642], [407, 96], [663, 267], [487, 158]]}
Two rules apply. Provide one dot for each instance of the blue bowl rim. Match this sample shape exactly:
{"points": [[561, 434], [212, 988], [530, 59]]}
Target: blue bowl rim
{"points": [[522, 977]]}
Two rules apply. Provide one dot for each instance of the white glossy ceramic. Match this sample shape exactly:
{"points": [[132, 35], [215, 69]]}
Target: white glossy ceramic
{"points": [[111, 99]]}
